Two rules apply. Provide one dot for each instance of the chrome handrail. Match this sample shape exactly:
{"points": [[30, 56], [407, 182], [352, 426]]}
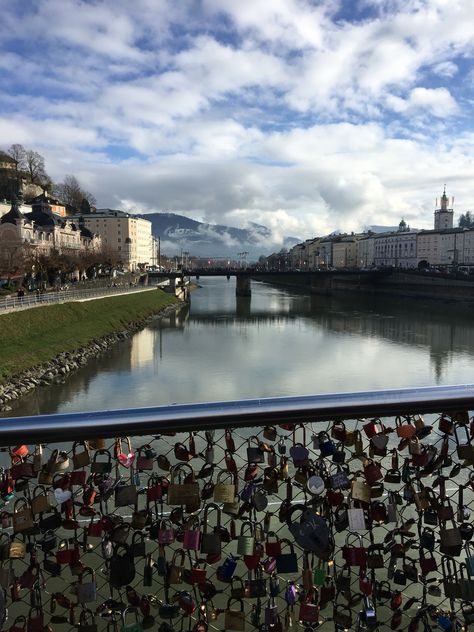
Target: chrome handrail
{"points": [[233, 414], [48, 298]]}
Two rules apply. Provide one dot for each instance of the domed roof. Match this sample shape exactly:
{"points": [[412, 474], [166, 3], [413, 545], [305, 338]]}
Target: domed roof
{"points": [[43, 217], [14, 213], [85, 232]]}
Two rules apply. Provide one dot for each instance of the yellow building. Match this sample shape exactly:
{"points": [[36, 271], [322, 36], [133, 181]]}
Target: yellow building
{"points": [[127, 236]]}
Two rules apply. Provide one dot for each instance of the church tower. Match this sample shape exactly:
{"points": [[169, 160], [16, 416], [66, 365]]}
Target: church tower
{"points": [[443, 216]]}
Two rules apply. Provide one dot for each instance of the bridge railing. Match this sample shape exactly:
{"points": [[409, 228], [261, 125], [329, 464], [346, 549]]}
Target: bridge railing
{"points": [[318, 508]]}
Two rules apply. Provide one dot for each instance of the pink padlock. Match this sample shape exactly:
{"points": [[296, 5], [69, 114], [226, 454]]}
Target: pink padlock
{"points": [[192, 535], [166, 533]]}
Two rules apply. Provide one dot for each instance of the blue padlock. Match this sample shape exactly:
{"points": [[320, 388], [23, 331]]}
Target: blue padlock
{"points": [[326, 444], [225, 572], [445, 623]]}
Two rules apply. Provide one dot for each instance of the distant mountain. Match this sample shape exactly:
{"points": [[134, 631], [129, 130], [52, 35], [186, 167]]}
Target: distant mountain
{"points": [[178, 232]]}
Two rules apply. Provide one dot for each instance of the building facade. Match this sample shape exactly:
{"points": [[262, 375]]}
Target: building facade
{"points": [[128, 237], [43, 230], [397, 249]]}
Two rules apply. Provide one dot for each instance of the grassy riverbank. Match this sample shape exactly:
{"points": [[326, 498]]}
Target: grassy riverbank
{"points": [[33, 336]]}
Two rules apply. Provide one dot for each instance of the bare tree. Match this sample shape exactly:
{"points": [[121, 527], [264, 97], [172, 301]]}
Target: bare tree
{"points": [[35, 168], [18, 153], [14, 260], [72, 194]]}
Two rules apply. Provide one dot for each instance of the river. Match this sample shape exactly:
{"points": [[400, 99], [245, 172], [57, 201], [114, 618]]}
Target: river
{"points": [[279, 342]]}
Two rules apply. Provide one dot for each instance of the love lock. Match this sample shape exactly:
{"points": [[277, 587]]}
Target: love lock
{"points": [[311, 532]]}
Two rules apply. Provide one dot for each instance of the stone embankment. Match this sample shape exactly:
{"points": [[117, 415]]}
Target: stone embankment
{"points": [[56, 370]]}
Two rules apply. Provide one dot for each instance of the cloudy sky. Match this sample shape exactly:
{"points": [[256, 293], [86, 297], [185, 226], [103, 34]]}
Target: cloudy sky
{"points": [[303, 115]]}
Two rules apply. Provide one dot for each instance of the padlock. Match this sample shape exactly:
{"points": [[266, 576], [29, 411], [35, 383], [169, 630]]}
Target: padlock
{"points": [[246, 543], [102, 465], [165, 532], [271, 612], [354, 555], [254, 452], [308, 612], [428, 563], [326, 444], [446, 424], [338, 431], [192, 534], [234, 619], [86, 621], [404, 430], [176, 567], [225, 492], [86, 591], [183, 492], [134, 625], [372, 428], [40, 501], [451, 541], [464, 450], [145, 458], [452, 588], [121, 566], [211, 542], [226, 571], [320, 573], [372, 472], [287, 562], [272, 544]]}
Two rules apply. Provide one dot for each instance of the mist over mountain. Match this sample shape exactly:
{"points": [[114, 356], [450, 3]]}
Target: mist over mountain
{"points": [[178, 233]]}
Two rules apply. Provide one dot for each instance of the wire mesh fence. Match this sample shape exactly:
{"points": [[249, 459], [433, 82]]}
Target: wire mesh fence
{"points": [[344, 524]]}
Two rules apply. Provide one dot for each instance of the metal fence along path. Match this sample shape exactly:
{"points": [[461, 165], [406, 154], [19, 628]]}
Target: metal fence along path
{"points": [[48, 298]]}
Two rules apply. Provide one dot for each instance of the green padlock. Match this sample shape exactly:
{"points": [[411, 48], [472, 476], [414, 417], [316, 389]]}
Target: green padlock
{"points": [[319, 575], [136, 626]]}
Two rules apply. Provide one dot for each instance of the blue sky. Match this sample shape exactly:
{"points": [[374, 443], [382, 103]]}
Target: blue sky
{"points": [[306, 116]]}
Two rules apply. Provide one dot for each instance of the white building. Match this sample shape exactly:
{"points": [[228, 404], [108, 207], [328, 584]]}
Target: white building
{"points": [[396, 249]]}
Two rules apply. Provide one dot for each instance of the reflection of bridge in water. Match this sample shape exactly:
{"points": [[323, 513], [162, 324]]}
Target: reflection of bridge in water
{"points": [[403, 322], [313, 280]]}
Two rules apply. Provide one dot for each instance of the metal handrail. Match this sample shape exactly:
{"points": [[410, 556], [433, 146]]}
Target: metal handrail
{"points": [[33, 300], [239, 413]]}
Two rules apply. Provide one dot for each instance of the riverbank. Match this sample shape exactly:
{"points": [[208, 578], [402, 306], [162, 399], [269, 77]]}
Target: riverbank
{"points": [[391, 283], [41, 345]]}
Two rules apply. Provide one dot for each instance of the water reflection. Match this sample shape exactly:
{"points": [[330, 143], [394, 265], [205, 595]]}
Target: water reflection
{"points": [[277, 342]]}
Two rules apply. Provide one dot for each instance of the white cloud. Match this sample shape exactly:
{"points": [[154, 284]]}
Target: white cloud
{"points": [[273, 112], [437, 102]]}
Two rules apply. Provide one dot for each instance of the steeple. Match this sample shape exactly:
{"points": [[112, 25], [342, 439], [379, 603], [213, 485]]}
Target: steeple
{"points": [[443, 216]]}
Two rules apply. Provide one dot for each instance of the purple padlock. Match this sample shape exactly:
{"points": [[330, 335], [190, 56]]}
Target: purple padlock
{"points": [[290, 594]]}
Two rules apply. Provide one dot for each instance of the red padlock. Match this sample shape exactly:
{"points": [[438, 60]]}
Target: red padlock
{"points": [[372, 472], [229, 441], [371, 428], [78, 477], [308, 613], [365, 585]]}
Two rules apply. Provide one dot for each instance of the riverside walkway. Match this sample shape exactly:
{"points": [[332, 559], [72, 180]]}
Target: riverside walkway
{"points": [[29, 301]]}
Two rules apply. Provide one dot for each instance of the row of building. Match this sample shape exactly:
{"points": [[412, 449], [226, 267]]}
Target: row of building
{"points": [[444, 246], [45, 224]]}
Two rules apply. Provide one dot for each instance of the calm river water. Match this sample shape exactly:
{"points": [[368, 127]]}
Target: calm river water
{"points": [[279, 342]]}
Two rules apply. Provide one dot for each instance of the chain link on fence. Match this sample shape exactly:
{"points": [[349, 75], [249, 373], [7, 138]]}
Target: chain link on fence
{"points": [[354, 525]]}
